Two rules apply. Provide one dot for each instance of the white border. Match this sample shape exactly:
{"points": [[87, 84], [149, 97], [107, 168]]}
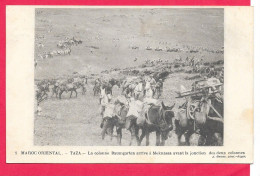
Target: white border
{"points": [[255, 168]]}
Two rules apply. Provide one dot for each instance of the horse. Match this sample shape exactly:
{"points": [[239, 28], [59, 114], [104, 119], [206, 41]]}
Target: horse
{"points": [[158, 119]]}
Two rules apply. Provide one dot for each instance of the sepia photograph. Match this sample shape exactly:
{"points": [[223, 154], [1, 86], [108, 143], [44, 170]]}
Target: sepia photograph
{"points": [[123, 84], [129, 76]]}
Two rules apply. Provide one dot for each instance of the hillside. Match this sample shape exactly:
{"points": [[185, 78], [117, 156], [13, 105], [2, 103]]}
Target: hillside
{"points": [[115, 31]]}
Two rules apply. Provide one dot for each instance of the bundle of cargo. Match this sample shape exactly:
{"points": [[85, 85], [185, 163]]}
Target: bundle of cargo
{"points": [[201, 114], [202, 87]]}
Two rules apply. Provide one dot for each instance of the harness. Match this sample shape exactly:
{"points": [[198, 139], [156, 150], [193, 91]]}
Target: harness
{"points": [[161, 118]]}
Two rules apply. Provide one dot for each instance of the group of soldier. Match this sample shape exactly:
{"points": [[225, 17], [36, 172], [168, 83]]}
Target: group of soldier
{"points": [[138, 90]]}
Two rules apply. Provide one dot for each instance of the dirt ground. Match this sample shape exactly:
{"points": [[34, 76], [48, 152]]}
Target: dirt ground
{"points": [[75, 121]]}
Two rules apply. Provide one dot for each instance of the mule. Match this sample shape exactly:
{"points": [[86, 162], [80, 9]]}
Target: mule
{"points": [[120, 121], [42, 91], [128, 88], [71, 87], [55, 89], [204, 123], [110, 84], [114, 82], [214, 124], [108, 88], [158, 119]]}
